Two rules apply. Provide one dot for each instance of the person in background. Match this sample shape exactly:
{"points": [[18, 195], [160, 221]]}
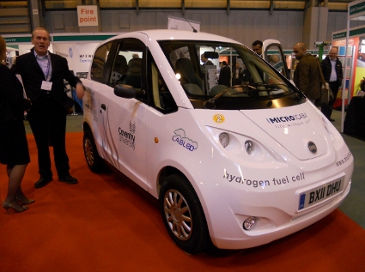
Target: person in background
{"points": [[332, 72], [13, 62], [205, 60], [43, 75], [257, 47], [225, 75], [14, 151], [245, 75], [237, 73], [306, 75]]}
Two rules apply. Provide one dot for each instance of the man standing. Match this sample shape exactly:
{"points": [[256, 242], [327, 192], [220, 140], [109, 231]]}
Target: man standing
{"points": [[225, 75], [306, 74], [257, 47], [205, 60], [332, 72], [237, 72], [43, 75]]}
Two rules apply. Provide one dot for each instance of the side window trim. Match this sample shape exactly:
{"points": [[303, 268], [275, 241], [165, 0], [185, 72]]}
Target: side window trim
{"points": [[160, 96]]}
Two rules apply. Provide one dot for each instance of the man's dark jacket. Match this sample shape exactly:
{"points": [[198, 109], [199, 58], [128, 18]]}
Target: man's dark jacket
{"points": [[307, 78], [32, 76], [225, 76], [327, 69]]}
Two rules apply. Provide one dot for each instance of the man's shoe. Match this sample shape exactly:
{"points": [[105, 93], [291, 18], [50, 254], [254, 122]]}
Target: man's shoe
{"points": [[68, 179], [332, 120], [43, 181]]}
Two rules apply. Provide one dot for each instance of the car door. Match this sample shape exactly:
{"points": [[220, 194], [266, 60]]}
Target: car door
{"points": [[124, 119], [274, 54], [161, 121], [99, 74]]}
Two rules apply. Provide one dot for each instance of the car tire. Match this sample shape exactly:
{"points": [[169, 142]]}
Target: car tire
{"points": [[183, 215], [93, 160]]}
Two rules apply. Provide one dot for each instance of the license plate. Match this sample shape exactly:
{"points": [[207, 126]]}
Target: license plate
{"points": [[320, 193]]}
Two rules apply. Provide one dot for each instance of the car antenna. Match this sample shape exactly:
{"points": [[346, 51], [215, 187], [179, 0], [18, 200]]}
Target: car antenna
{"points": [[194, 30]]}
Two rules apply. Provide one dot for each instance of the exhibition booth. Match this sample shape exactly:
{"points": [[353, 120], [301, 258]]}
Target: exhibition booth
{"points": [[351, 43], [354, 77], [355, 61], [77, 48]]}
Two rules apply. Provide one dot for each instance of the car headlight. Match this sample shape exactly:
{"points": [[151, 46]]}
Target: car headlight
{"points": [[246, 148], [249, 146], [224, 139]]}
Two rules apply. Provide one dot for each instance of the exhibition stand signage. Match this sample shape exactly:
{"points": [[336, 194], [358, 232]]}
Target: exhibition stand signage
{"points": [[87, 15], [356, 11], [78, 49]]}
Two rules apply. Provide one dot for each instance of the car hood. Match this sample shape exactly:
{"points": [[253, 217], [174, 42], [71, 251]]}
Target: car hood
{"points": [[298, 129]]}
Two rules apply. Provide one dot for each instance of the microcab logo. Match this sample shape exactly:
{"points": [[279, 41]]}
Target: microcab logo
{"points": [[285, 119]]}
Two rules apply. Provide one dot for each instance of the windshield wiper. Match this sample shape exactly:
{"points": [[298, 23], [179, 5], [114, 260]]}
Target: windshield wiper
{"points": [[269, 86], [210, 103]]}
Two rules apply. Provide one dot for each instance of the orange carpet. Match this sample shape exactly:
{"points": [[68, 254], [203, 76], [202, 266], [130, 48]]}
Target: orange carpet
{"points": [[106, 224]]}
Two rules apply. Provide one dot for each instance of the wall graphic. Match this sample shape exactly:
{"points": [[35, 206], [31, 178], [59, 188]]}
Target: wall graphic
{"points": [[79, 56]]}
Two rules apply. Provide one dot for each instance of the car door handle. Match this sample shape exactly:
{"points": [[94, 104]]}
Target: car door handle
{"points": [[103, 106]]}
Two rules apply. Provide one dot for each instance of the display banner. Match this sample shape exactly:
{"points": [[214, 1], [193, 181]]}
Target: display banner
{"points": [[79, 56]]}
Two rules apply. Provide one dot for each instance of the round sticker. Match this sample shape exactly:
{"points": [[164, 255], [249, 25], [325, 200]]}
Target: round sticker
{"points": [[218, 118]]}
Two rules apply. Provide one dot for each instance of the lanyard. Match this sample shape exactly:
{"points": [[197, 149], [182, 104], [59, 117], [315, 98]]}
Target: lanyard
{"points": [[47, 75]]}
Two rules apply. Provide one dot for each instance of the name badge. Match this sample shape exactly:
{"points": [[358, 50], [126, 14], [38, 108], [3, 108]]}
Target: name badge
{"points": [[46, 85]]}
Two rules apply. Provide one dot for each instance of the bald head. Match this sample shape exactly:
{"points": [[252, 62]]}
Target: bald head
{"points": [[333, 53], [299, 50]]}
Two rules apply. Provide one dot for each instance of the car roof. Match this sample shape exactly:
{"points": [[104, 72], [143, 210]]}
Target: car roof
{"points": [[168, 34]]}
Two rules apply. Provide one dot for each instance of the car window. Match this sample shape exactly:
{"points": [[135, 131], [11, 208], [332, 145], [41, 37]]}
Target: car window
{"points": [[181, 52], [127, 64], [99, 61]]}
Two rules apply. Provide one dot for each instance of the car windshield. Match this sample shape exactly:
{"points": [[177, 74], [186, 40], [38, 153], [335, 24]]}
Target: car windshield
{"points": [[228, 76]]}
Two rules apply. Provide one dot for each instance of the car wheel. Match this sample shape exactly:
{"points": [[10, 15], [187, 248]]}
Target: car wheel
{"points": [[93, 160], [183, 215]]}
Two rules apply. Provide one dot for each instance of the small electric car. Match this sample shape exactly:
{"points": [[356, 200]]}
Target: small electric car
{"points": [[238, 165]]}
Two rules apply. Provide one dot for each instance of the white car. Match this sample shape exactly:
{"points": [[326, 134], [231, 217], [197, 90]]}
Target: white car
{"points": [[239, 166]]}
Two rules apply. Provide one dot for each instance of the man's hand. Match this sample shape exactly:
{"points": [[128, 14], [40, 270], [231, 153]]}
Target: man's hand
{"points": [[80, 90]]}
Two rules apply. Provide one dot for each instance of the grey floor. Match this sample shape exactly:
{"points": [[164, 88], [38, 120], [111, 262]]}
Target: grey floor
{"points": [[354, 204]]}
